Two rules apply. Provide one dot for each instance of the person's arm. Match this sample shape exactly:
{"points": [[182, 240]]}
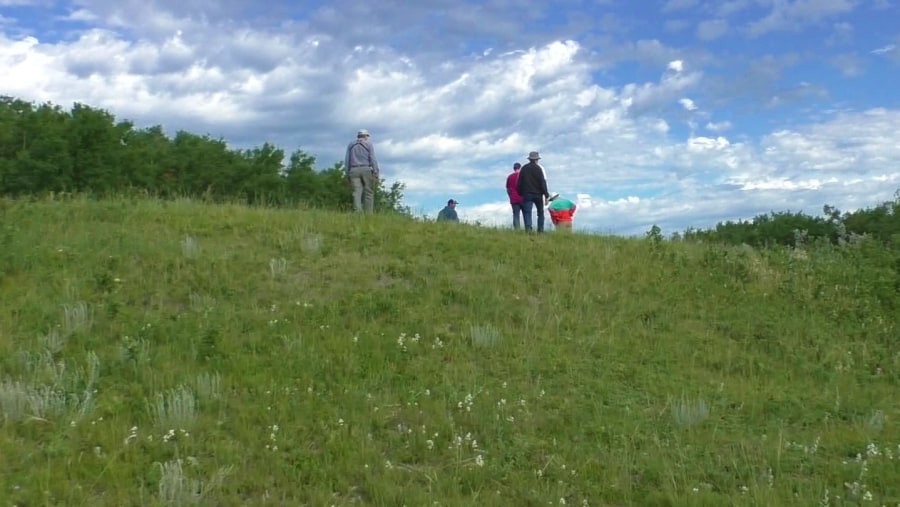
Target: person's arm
{"points": [[372, 158], [347, 161]]}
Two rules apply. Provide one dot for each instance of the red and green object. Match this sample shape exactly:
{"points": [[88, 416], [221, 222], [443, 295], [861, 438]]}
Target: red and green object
{"points": [[561, 210]]}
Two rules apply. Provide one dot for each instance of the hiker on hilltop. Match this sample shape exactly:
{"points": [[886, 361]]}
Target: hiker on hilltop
{"points": [[515, 200], [562, 212], [361, 168], [532, 186], [448, 214]]}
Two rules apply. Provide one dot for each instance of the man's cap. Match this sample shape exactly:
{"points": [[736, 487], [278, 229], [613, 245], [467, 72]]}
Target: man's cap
{"points": [[451, 201], [362, 132], [534, 156]]}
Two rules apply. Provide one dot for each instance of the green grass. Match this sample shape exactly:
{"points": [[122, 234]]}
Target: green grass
{"points": [[176, 353]]}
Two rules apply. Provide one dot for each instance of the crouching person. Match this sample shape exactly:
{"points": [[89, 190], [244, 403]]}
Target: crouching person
{"points": [[562, 213]]}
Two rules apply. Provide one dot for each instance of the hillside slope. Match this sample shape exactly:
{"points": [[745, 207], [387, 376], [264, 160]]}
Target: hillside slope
{"points": [[163, 353]]}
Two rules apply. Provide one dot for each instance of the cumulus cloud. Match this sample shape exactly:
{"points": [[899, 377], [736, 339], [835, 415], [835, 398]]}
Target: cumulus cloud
{"points": [[455, 93], [688, 104]]}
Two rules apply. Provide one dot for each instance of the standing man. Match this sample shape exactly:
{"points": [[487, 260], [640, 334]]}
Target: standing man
{"points": [[532, 186], [448, 214], [362, 171], [515, 200]]}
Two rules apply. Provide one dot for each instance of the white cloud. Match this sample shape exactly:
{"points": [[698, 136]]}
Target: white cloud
{"points": [[718, 126], [688, 104], [450, 118], [884, 49]]}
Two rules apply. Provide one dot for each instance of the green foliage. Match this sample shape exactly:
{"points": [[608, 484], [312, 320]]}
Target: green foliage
{"points": [[45, 149], [881, 223], [175, 352]]}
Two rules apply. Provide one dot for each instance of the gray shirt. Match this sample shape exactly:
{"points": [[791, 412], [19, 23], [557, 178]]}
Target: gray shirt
{"points": [[360, 153]]}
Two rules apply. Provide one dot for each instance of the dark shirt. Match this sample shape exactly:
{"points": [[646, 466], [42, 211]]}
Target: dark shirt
{"points": [[532, 180], [448, 214]]}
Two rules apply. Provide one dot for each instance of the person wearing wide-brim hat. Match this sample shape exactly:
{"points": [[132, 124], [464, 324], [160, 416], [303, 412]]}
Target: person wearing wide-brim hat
{"points": [[532, 186]]}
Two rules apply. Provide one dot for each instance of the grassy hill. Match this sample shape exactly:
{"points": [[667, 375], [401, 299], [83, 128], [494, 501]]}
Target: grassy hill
{"points": [[176, 353]]}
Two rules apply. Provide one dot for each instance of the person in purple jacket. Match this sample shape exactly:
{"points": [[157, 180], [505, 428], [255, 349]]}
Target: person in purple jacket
{"points": [[515, 200]]}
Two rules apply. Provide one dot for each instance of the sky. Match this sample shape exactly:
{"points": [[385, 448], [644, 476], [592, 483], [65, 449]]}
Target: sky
{"points": [[675, 113]]}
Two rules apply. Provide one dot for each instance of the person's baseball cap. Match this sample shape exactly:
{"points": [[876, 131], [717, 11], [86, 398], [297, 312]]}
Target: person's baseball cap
{"points": [[362, 132], [451, 201]]}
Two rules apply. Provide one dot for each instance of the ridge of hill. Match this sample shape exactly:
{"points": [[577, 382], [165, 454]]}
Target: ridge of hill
{"points": [[176, 353]]}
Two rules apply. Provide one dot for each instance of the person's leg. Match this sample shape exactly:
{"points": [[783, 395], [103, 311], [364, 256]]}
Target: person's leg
{"points": [[526, 213], [564, 226], [517, 210], [357, 182], [368, 178], [539, 206]]}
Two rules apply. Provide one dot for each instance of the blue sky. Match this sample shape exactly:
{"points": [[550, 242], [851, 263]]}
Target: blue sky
{"points": [[680, 113]]}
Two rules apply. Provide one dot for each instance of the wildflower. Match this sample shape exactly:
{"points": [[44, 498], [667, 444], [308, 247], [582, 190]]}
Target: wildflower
{"points": [[479, 460], [132, 435], [467, 404]]}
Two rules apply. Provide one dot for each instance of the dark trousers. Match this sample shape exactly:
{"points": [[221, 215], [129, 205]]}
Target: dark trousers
{"points": [[536, 201], [517, 212]]}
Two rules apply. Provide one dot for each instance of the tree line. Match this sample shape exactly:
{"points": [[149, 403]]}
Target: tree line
{"points": [[47, 149], [880, 223]]}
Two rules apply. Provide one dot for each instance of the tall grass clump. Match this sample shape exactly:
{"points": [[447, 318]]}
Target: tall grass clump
{"points": [[175, 408], [485, 336], [688, 413]]}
